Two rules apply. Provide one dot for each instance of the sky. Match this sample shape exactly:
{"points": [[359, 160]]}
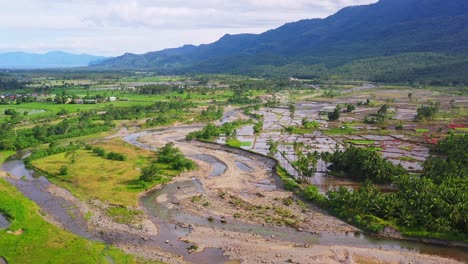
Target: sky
{"points": [[114, 27]]}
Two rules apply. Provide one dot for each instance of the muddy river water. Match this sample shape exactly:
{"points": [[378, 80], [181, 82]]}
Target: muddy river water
{"points": [[173, 223]]}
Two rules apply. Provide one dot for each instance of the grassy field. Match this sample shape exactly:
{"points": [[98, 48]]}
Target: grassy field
{"points": [[86, 138], [92, 176], [42, 242]]}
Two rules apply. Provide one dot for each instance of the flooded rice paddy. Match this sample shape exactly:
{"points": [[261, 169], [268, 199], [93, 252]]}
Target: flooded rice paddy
{"points": [[398, 148]]}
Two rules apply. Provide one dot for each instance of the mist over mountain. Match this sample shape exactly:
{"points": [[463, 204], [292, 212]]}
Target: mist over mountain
{"points": [[53, 59], [391, 39]]}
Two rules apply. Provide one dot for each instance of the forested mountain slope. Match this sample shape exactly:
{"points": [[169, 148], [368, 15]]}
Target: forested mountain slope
{"points": [[427, 35]]}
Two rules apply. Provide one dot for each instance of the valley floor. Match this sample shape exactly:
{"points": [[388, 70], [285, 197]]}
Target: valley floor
{"points": [[233, 208]]}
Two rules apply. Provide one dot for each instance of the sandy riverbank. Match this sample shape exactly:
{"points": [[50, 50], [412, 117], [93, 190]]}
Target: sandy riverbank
{"points": [[237, 194]]}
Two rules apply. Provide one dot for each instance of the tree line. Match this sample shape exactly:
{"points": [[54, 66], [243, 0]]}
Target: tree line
{"points": [[12, 138], [434, 203]]}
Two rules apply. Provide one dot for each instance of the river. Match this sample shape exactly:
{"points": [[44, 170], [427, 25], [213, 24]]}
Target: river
{"points": [[166, 217], [168, 214]]}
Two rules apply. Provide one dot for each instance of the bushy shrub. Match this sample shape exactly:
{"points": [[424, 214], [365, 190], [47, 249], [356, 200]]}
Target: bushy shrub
{"points": [[116, 156], [99, 151]]}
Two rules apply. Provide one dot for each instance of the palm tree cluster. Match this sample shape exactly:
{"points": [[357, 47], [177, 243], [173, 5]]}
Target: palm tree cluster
{"points": [[435, 202]]}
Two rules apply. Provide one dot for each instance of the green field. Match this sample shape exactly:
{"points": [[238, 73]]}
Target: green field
{"points": [[95, 177], [92, 176]]}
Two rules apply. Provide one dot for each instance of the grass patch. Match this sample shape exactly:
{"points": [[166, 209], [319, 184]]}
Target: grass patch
{"points": [[124, 215], [88, 216], [409, 159], [42, 242], [422, 130], [246, 144], [5, 154], [385, 132], [235, 143], [290, 183], [425, 234]]}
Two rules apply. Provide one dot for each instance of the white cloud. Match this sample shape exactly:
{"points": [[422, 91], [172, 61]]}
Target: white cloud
{"points": [[212, 13], [112, 27]]}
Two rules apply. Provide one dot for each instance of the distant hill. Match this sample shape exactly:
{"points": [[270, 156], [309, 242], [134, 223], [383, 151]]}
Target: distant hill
{"points": [[54, 59], [422, 34]]}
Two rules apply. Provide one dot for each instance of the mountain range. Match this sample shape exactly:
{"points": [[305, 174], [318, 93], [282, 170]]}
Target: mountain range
{"points": [[53, 59], [388, 40]]}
